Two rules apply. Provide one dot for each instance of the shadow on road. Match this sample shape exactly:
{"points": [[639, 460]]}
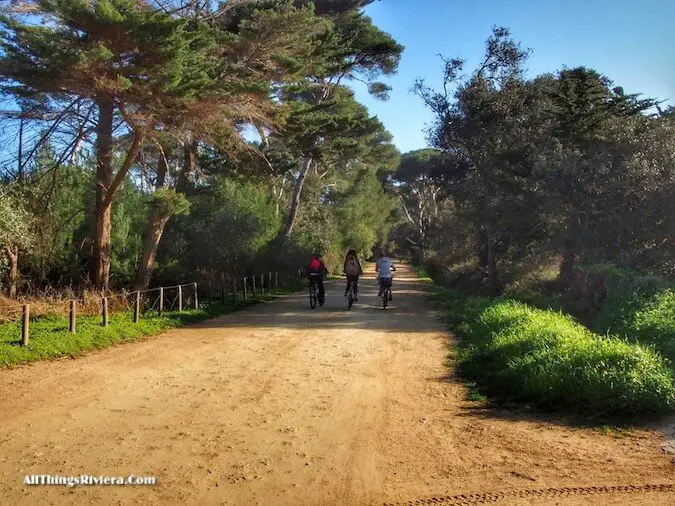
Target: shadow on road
{"points": [[407, 313]]}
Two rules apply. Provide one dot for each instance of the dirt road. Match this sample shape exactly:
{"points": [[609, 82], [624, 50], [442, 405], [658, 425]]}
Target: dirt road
{"points": [[280, 404]]}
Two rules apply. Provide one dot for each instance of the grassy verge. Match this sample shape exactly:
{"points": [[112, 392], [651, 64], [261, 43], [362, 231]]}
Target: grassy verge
{"points": [[511, 351], [638, 309], [50, 337]]}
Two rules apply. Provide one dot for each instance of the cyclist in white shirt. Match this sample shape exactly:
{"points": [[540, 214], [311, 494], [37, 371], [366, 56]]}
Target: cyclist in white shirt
{"points": [[383, 267]]}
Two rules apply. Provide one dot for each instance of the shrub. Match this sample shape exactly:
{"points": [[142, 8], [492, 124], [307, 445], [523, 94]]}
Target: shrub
{"points": [[638, 309], [516, 352]]}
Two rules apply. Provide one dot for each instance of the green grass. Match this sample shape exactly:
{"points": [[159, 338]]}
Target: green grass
{"points": [[509, 351], [49, 336], [520, 353], [638, 309], [473, 393], [422, 273], [616, 432]]}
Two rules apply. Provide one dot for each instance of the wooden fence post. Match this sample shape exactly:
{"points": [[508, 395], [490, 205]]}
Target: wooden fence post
{"points": [[25, 325], [210, 292], [262, 284], [253, 286], [137, 307], [161, 301], [234, 290], [180, 298], [245, 288], [104, 311], [196, 301], [276, 279], [72, 316], [222, 286], [269, 281]]}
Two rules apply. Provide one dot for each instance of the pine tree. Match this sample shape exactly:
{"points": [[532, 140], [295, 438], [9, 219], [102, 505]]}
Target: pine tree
{"points": [[134, 62]]}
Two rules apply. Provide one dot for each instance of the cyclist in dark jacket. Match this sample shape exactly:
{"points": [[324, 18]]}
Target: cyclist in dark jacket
{"points": [[316, 270], [352, 268]]}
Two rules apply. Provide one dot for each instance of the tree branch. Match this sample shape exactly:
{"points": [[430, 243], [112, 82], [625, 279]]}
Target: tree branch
{"points": [[128, 161]]}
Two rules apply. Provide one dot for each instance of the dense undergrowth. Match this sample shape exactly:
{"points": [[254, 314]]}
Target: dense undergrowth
{"points": [[50, 337], [513, 351]]}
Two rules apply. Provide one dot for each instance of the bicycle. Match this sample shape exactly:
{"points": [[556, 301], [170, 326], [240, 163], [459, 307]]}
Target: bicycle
{"points": [[350, 295], [386, 292], [313, 293]]}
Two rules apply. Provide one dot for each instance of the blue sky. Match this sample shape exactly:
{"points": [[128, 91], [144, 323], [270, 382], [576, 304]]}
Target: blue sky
{"points": [[630, 41]]}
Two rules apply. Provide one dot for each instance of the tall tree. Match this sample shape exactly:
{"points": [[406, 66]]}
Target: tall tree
{"points": [[478, 119], [131, 60], [586, 107], [260, 47], [354, 49]]}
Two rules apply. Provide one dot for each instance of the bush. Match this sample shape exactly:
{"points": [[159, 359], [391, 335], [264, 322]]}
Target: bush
{"points": [[638, 308], [515, 352]]}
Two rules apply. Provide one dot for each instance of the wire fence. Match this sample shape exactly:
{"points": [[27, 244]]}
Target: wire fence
{"points": [[150, 302]]}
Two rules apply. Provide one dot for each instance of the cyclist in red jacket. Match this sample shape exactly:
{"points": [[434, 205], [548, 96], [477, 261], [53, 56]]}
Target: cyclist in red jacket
{"points": [[316, 270]]}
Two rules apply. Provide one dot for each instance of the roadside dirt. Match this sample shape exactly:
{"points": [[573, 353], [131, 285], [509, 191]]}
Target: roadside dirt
{"points": [[283, 405]]}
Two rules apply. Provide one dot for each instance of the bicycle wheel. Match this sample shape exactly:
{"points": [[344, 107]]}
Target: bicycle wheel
{"points": [[350, 299], [313, 297], [385, 298]]}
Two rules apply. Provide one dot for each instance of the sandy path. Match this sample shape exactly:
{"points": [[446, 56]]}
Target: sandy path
{"points": [[283, 405]]}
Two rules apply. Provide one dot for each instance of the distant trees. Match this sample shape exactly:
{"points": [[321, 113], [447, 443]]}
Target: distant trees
{"points": [[422, 181]]}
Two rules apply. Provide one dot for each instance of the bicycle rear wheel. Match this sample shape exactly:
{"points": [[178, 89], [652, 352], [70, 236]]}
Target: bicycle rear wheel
{"points": [[350, 299], [385, 298], [313, 297]]}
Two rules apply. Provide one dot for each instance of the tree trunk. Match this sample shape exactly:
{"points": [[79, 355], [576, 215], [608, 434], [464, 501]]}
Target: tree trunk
{"points": [[295, 201], [487, 259], [20, 154], [189, 165], [482, 249], [492, 275], [13, 256], [158, 220], [422, 257], [570, 250], [104, 151]]}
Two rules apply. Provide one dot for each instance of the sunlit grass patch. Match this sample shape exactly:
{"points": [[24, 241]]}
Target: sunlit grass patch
{"points": [[513, 351]]}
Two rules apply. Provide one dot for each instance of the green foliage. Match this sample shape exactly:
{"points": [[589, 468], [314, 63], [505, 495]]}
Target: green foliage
{"points": [[57, 202], [170, 202], [563, 165], [189, 83], [229, 224], [80, 52], [17, 229], [585, 103], [638, 308], [515, 352], [129, 217], [364, 214], [16, 223]]}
